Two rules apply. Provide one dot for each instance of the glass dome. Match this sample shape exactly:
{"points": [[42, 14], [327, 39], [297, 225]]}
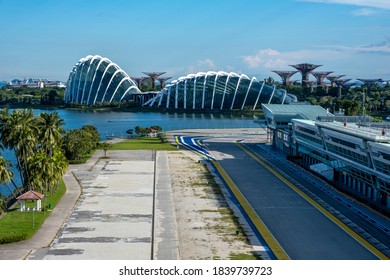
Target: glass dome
{"points": [[218, 90], [95, 79]]}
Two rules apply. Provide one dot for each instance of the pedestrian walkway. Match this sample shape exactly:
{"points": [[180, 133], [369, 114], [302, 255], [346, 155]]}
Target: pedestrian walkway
{"points": [[166, 236], [113, 217]]}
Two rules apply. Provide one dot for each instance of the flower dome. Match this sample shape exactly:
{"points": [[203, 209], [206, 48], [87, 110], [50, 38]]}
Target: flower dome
{"points": [[95, 79], [218, 90]]}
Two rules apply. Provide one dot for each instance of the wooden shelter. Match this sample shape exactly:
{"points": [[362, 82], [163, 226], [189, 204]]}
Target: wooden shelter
{"points": [[30, 195]]}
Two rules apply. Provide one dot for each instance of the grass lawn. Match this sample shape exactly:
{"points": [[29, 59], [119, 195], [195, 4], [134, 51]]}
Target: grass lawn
{"points": [[143, 143], [16, 226]]}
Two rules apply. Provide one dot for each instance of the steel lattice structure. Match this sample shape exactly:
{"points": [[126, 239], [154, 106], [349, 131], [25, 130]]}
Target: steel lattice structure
{"points": [[218, 90], [95, 79]]}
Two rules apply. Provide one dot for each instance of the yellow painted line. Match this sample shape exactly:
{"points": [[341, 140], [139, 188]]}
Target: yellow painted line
{"points": [[347, 229], [272, 243]]}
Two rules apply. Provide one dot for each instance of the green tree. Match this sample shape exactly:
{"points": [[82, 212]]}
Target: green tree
{"points": [[78, 143], [36, 142], [138, 130], [50, 131], [105, 147], [156, 127], [4, 126], [6, 174], [3, 204], [92, 132], [47, 171], [269, 81], [21, 136]]}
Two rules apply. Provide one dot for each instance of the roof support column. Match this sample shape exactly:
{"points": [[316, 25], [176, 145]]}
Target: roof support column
{"points": [[193, 97], [215, 85], [176, 93], [204, 90], [224, 91], [258, 96], [272, 95], [235, 92], [185, 94], [169, 97], [247, 92]]}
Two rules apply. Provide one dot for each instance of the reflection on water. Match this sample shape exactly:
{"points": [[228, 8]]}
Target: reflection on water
{"points": [[111, 123]]}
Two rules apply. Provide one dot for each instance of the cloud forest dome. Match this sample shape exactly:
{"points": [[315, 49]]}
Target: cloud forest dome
{"points": [[95, 79], [218, 90]]}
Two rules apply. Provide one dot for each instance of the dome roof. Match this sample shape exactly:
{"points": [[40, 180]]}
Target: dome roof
{"points": [[95, 79], [218, 90]]}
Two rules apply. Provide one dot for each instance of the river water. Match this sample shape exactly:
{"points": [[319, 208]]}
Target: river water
{"points": [[116, 124]]}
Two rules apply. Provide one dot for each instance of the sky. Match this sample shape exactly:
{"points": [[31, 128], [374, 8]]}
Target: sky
{"points": [[45, 39]]}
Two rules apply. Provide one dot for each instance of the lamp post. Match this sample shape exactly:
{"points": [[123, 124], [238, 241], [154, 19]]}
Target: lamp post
{"points": [[33, 210], [364, 109]]}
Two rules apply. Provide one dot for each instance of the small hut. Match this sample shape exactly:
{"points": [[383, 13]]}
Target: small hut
{"points": [[30, 195]]}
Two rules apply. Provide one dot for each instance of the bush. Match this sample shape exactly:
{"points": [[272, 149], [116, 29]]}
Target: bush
{"points": [[79, 143]]}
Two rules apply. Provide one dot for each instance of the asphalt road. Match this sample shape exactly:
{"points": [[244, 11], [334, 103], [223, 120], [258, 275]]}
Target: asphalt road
{"points": [[301, 229]]}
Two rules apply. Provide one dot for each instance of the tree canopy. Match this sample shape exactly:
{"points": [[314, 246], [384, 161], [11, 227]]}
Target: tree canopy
{"points": [[36, 141]]}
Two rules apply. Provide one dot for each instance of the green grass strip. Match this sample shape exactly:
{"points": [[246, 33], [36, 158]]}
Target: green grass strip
{"points": [[16, 226], [143, 143]]}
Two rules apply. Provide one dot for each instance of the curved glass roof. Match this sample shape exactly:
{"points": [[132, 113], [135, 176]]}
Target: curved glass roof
{"points": [[95, 79], [218, 90]]}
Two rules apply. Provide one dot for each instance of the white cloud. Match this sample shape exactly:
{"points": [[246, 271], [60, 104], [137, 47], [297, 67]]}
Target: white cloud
{"points": [[202, 65], [379, 48], [364, 12], [381, 4], [206, 63], [266, 57], [274, 59]]}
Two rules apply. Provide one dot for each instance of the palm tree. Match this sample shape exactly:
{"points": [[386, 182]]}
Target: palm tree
{"points": [[4, 116], [3, 205], [4, 131], [21, 135], [46, 171], [51, 130], [6, 174]]}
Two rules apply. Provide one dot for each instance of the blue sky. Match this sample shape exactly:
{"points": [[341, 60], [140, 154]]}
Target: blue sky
{"points": [[44, 39]]}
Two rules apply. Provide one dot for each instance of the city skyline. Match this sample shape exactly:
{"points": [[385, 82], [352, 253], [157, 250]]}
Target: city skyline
{"points": [[45, 39]]}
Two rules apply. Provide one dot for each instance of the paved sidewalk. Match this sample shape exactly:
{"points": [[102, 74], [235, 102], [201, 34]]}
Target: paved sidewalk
{"points": [[112, 218], [48, 231], [166, 236]]}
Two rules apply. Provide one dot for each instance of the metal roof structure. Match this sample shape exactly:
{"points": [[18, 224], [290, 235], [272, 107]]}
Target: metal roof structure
{"points": [[285, 75], [153, 76], [320, 76], [333, 78], [162, 80], [305, 69], [283, 113]]}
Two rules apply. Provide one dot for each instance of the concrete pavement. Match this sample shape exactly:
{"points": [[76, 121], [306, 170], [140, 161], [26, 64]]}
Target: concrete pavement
{"points": [[113, 217], [302, 230], [110, 215]]}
